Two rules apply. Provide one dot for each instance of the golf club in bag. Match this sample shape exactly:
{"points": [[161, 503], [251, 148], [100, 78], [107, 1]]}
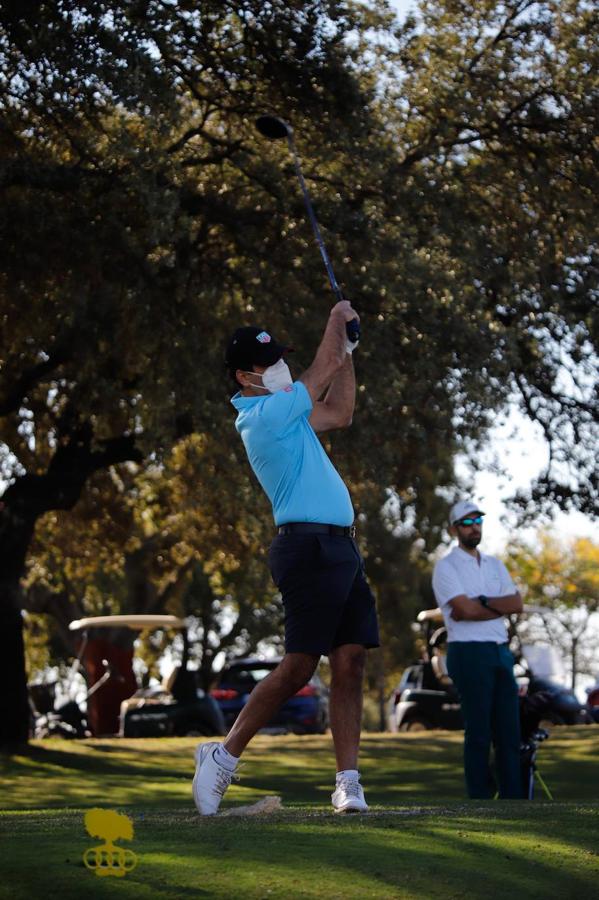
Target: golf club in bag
{"points": [[275, 129]]}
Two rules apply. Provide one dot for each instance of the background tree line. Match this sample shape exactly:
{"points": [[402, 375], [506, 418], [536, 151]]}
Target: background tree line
{"points": [[560, 581], [452, 161]]}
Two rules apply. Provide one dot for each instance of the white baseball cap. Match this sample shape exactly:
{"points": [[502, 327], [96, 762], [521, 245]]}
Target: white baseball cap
{"points": [[463, 508]]}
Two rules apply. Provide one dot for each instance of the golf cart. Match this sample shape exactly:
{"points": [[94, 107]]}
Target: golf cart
{"points": [[177, 707], [426, 698], [540, 668]]}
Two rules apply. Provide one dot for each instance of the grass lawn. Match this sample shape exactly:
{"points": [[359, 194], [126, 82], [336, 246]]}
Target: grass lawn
{"points": [[420, 840]]}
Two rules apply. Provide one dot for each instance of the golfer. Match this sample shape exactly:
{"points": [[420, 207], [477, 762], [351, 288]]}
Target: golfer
{"points": [[475, 592], [314, 561]]}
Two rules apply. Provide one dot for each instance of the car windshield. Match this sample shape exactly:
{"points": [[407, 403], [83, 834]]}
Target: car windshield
{"points": [[245, 676], [544, 661]]}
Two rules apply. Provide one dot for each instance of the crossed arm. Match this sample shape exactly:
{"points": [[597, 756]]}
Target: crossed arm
{"points": [[466, 609]]}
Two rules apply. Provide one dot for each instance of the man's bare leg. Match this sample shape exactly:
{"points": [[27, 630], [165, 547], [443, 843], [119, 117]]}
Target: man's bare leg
{"points": [[292, 673], [347, 678]]}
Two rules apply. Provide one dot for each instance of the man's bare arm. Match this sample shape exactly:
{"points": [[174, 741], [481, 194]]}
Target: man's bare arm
{"points": [[337, 408], [331, 353], [506, 605], [466, 609]]}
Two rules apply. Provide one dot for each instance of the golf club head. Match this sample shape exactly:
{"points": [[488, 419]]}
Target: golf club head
{"points": [[352, 330], [273, 128]]}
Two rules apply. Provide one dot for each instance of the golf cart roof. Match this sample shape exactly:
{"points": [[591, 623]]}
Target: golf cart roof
{"points": [[137, 623], [430, 615]]}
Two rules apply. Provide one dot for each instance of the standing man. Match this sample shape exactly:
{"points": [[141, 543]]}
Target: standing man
{"points": [[314, 560], [475, 592]]}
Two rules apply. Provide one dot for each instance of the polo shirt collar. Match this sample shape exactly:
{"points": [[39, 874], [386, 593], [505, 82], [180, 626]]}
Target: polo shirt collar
{"points": [[241, 402], [466, 556]]}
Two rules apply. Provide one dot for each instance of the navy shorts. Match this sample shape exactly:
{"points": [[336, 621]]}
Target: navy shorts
{"points": [[326, 596]]}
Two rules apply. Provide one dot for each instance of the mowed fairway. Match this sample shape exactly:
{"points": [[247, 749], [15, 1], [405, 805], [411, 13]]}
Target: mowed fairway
{"points": [[420, 840]]}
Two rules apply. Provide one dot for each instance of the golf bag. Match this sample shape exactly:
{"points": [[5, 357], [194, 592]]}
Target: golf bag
{"points": [[533, 708]]}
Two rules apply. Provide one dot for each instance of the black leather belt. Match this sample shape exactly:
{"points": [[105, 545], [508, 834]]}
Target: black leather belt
{"points": [[317, 528]]}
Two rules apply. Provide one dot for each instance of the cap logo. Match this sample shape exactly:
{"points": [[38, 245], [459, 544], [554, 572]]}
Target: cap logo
{"points": [[263, 337]]}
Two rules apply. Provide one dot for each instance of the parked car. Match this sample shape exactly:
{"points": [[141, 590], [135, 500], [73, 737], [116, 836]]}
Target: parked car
{"points": [[307, 712], [426, 698]]}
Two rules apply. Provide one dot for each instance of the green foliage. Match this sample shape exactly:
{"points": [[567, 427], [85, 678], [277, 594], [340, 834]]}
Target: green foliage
{"points": [[496, 114], [186, 537], [553, 573], [561, 582], [37, 649], [452, 166]]}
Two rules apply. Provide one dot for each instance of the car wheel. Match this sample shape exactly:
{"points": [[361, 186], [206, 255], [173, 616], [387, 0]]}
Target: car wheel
{"points": [[415, 725]]}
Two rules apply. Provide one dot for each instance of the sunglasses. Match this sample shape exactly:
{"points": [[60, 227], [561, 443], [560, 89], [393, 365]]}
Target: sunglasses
{"points": [[478, 520]]}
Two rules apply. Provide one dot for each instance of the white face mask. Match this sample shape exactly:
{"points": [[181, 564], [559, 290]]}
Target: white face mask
{"points": [[275, 378]]}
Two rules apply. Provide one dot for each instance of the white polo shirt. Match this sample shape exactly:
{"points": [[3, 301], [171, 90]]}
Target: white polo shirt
{"points": [[460, 573]]}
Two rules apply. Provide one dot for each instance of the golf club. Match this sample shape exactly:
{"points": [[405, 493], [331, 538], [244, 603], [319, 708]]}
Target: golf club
{"points": [[275, 129]]}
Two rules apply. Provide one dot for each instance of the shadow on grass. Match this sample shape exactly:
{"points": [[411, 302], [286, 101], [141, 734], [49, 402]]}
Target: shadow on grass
{"points": [[82, 774], [493, 850], [69, 763], [396, 770], [429, 857]]}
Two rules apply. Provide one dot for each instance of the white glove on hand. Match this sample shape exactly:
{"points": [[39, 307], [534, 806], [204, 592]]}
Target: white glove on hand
{"points": [[350, 346]]}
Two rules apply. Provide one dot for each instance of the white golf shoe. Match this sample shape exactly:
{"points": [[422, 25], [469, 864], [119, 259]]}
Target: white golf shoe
{"points": [[348, 797], [210, 781]]}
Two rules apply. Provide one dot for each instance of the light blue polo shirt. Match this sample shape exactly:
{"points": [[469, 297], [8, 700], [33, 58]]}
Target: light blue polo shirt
{"points": [[288, 459]]}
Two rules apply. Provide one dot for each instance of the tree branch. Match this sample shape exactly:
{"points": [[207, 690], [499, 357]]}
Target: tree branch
{"points": [[13, 399]]}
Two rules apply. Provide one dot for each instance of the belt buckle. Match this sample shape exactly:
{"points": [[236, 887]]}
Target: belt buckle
{"points": [[352, 531]]}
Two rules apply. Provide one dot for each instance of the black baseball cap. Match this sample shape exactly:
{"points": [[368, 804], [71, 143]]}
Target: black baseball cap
{"points": [[251, 346]]}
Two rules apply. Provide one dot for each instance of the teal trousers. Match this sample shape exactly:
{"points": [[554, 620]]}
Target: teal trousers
{"points": [[483, 675]]}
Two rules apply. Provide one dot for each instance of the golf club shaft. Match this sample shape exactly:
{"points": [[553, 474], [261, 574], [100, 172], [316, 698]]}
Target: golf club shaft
{"points": [[352, 328], [314, 222]]}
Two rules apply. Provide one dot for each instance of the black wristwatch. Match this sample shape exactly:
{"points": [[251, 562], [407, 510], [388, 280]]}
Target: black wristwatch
{"points": [[484, 601]]}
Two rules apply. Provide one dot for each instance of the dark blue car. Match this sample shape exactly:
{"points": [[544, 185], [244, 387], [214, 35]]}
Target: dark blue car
{"points": [[307, 712]]}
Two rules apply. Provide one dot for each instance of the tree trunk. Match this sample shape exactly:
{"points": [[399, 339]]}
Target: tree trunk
{"points": [[14, 703], [380, 683], [23, 502], [574, 662], [16, 529]]}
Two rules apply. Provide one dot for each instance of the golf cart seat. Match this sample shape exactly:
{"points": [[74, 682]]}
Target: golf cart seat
{"points": [[180, 682], [439, 666], [438, 656], [169, 679]]}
